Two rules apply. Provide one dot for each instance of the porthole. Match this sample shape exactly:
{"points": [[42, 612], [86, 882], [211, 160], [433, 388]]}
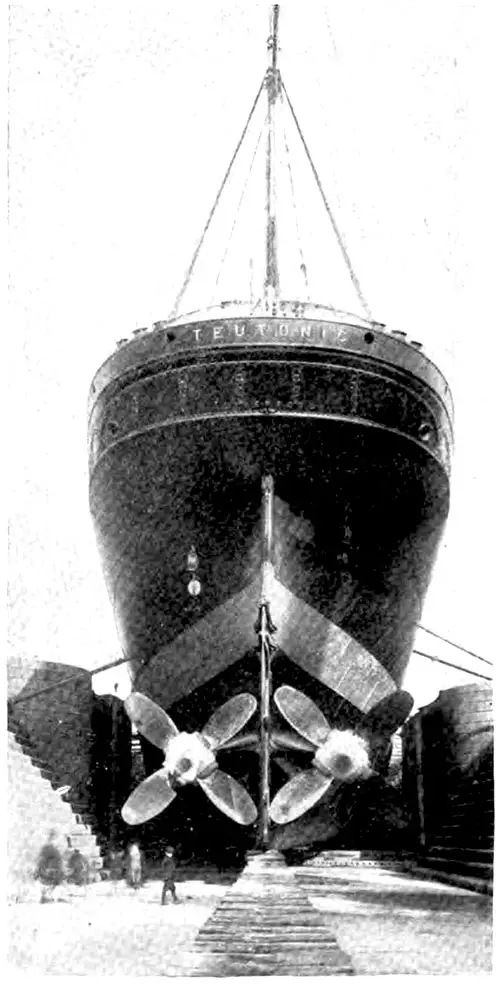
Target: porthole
{"points": [[425, 432], [369, 337]]}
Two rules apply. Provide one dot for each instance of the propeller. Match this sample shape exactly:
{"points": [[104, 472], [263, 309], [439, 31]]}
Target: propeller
{"points": [[340, 756], [189, 758], [389, 714]]}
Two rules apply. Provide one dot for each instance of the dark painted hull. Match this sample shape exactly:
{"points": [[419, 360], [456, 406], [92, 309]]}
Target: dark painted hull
{"points": [[355, 428]]}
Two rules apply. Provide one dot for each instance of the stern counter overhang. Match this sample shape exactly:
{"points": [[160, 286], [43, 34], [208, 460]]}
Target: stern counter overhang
{"points": [[209, 368]]}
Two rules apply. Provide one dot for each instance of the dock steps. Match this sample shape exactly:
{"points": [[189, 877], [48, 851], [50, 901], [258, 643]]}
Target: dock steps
{"points": [[467, 867], [35, 808]]}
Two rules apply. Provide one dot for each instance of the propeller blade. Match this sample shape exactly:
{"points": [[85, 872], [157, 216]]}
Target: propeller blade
{"points": [[299, 795], [229, 719], [283, 739], [230, 797], [241, 741], [150, 720], [149, 799], [390, 713], [302, 714]]}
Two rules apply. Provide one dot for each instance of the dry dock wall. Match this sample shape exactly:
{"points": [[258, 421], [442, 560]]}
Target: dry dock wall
{"points": [[448, 770]]}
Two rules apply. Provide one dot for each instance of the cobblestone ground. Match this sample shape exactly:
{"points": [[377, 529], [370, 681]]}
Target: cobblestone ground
{"points": [[388, 923]]}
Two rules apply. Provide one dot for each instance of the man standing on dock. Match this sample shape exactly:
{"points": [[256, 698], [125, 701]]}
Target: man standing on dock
{"points": [[134, 866], [168, 869], [77, 868]]}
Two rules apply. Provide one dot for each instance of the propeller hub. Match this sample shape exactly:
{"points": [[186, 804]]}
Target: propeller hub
{"points": [[344, 756], [187, 757], [342, 764]]}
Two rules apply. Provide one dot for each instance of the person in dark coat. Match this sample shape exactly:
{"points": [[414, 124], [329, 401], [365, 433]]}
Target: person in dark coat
{"points": [[168, 870], [117, 865], [76, 866], [50, 868]]}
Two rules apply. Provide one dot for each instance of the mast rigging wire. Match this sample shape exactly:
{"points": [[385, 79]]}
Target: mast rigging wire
{"points": [[187, 279], [329, 29], [295, 209], [334, 225], [238, 207]]}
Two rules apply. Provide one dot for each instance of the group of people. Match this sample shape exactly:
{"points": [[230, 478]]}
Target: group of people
{"points": [[132, 868], [55, 866]]}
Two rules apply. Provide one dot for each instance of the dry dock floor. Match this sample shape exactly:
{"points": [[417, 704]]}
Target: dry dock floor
{"points": [[384, 922]]}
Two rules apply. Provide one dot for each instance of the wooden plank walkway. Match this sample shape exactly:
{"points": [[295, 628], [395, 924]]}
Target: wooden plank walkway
{"points": [[334, 916], [266, 926]]}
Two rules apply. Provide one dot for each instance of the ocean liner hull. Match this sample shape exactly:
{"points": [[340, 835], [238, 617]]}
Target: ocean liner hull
{"points": [[353, 425], [268, 479]]}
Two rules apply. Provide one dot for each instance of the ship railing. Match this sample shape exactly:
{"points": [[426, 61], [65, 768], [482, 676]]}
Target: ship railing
{"points": [[266, 309], [259, 309]]}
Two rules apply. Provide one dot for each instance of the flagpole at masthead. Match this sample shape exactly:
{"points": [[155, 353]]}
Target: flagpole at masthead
{"points": [[272, 86]]}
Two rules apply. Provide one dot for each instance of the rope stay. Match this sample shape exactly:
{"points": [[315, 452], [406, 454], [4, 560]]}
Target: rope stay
{"points": [[275, 88], [187, 278], [238, 207], [69, 679], [128, 659], [454, 666], [303, 266], [454, 644], [329, 29], [338, 235]]}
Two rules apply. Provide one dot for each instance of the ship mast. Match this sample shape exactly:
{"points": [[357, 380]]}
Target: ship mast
{"points": [[272, 82], [275, 89]]}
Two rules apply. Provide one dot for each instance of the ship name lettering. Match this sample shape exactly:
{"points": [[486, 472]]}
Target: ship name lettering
{"points": [[283, 331], [239, 331], [305, 331], [261, 329], [196, 333], [217, 331]]}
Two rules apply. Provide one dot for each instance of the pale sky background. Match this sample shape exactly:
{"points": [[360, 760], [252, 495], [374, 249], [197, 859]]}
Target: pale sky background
{"points": [[123, 118]]}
